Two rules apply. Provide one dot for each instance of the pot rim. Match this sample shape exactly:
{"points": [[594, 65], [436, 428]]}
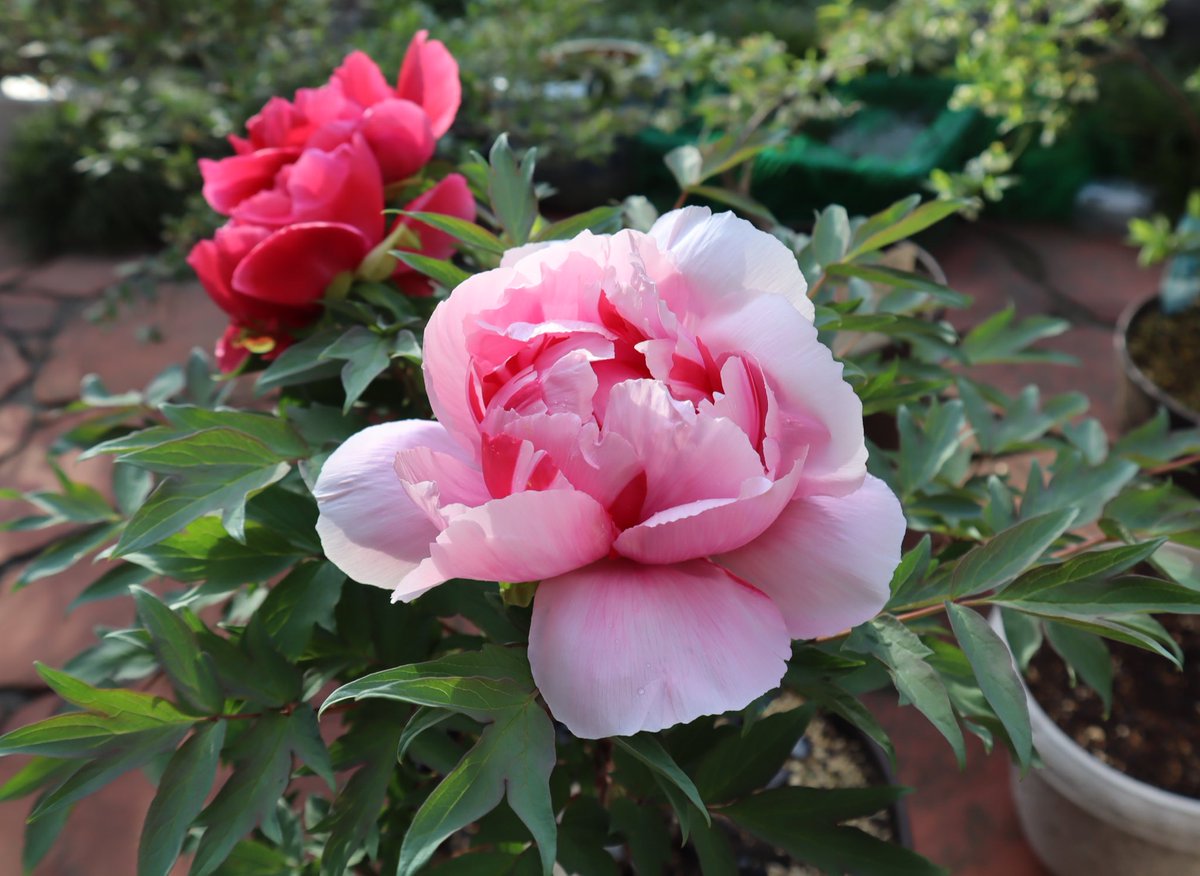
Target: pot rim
{"points": [[1139, 378], [1128, 804]]}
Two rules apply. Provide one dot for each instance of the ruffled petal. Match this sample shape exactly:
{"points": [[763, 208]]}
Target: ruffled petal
{"points": [[711, 526], [369, 527], [726, 260], [618, 648], [817, 407], [827, 562], [523, 537], [429, 77]]}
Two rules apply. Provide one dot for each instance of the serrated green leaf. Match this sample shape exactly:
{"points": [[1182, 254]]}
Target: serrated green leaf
{"points": [[901, 651], [998, 680], [647, 749], [999, 561], [513, 759], [185, 784], [175, 644]]}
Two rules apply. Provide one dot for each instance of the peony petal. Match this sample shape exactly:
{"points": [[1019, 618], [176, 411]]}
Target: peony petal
{"points": [[726, 260], [808, 384], [295, 265], [710, 526], [450, 197], [369, 527], [361, 80], [686, 456], [398, 133], [230, 181], [523, 537], [827, 562], [618, 648], [429, 78]]}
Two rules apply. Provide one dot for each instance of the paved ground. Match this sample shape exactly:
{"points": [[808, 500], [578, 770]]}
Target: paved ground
{"points": [[962, 820]]}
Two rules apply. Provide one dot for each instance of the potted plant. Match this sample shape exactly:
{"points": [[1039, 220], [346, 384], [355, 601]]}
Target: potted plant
{"points": [[579, 620], [1158, 338]]}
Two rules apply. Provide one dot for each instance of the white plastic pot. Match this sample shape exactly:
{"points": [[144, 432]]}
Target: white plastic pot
{"points": [[1084, 818]]}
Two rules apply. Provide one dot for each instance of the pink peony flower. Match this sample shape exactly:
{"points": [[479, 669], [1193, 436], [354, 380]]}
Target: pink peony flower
{"points": [[401, 125], [647, 425], [269, 267]]}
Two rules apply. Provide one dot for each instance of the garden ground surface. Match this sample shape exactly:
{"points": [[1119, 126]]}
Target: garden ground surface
{"points": [[962, 820]]}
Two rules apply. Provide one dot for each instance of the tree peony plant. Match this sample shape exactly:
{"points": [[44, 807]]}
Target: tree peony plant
{"points": [[648, 425], [634, 528]]}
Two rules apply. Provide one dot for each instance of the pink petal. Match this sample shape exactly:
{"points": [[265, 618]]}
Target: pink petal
{"points": [[828, 561], [710, 526], [230, 181], [618, 648], [362, 81], [429, 77], [523, 537], [295, 265], [807, 381], [369, 527], [686, 456], [450, 197], [726, 260], [398, 133]]}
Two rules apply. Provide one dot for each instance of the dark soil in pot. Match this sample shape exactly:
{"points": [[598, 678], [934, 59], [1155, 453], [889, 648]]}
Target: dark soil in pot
{"points": [[1166, 349], [1153, 733]]}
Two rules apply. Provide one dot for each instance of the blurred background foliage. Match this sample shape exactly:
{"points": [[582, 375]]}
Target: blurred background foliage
{"points": [[1031, 99]]}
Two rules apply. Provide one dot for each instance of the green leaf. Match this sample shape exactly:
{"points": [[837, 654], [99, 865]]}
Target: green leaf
{"points": [[81, 734], [177, 502], [510, 190], [1138, 630], [713, 849], [911, 572], [997, 341], [802, 821], [207, 448], [440, 271], [423, 719], [928, 214], [131, 486], [307, 743], [1085, 654], [113, 702], [1010, 553], [40, 836], [299, 363], [461, 230], [647, 749], [40, 771], [583, 833], [275, 433], [175, 644], [513, 759], [1089, 437], [598, 219], [1153, 442], [997, 678], [357, 807], [926, 448], [745, 205], [66, 552], [739, 763], [181, 793], [1024, 635], [250, 858], [206, 552], [645, 833], [831, 235], [95, 774], [477, 684], [902, 652], [263, 763], [302, 601], [1075, 485], [896, 279], [686, 164], [1130, 594], [1081, 567], [886, 218], [366, 355]]}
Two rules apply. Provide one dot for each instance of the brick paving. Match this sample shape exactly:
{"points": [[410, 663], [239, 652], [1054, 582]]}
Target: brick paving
{"points": [[963, 820]]}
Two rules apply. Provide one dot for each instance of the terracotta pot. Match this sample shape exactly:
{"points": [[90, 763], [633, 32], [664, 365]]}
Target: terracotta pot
{"points": [[1084, 818], [1138, 397]]}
